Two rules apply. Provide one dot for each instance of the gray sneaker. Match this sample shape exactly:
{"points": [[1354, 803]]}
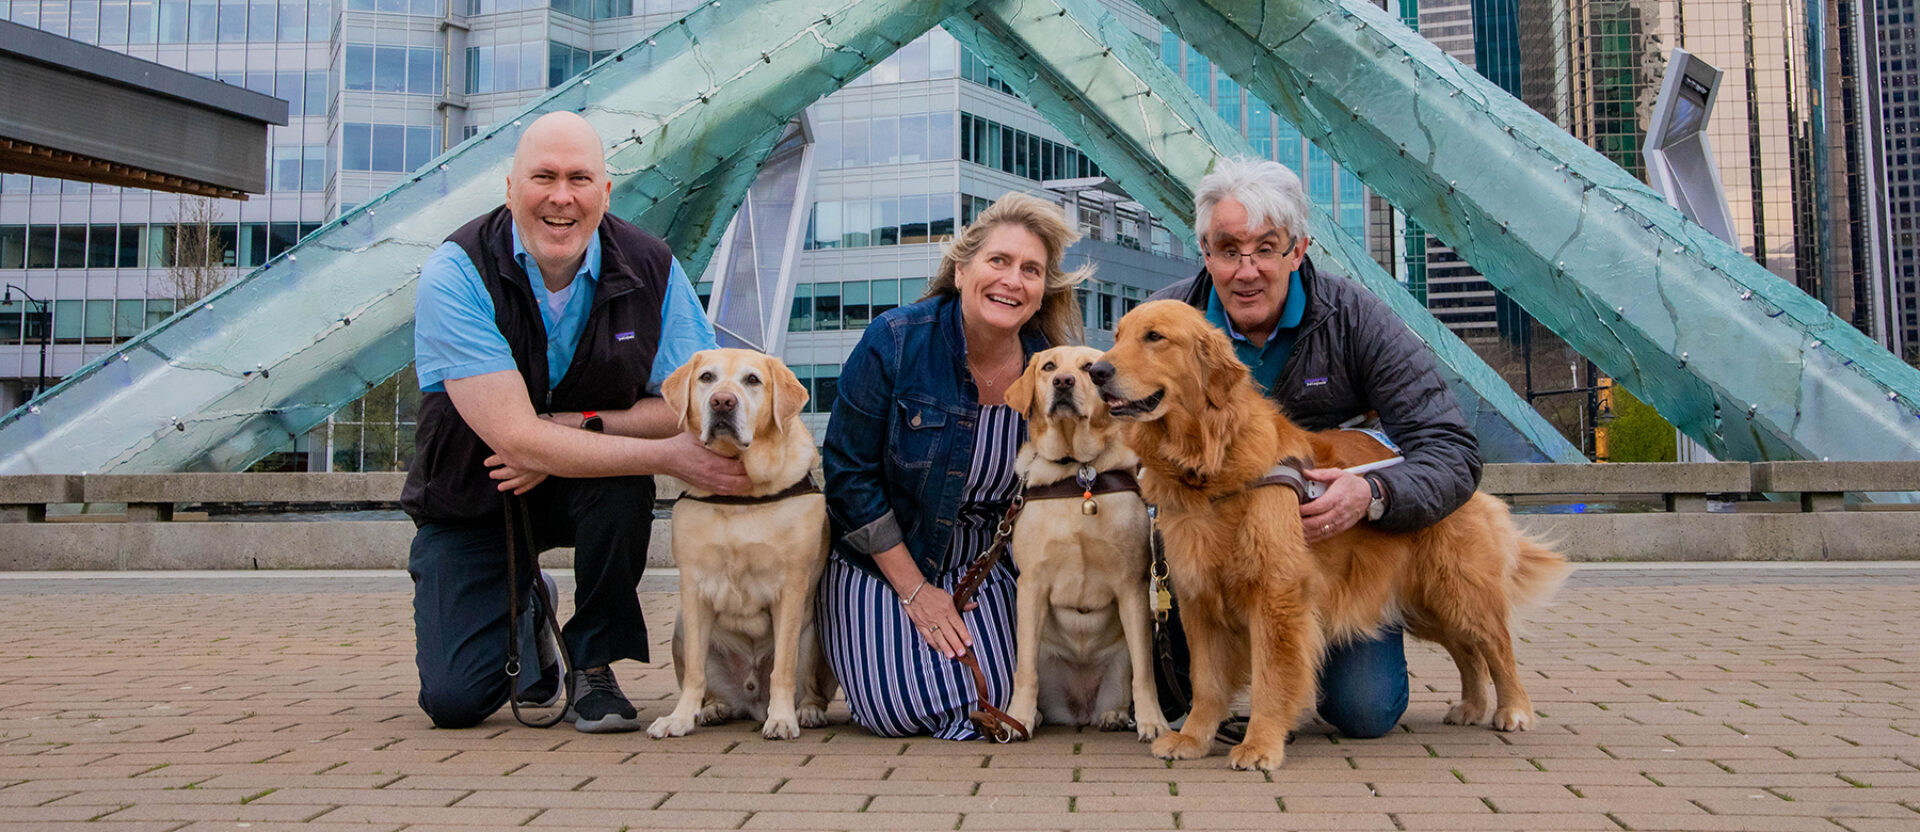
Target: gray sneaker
{"points": [[544, 693], [598, 705]]}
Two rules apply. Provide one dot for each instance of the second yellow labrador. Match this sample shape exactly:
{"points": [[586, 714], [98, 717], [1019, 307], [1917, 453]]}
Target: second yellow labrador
{"points": [[1082, 639], [744, 644]]}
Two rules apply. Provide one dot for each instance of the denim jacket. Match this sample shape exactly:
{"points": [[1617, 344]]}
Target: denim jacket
{"points": [[900, 442]]}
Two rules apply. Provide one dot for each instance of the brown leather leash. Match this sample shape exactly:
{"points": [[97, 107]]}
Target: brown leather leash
{"points": [[992, 722]]}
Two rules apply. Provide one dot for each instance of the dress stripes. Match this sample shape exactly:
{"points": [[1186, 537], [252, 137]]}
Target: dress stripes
{"points": [[895, 684]]}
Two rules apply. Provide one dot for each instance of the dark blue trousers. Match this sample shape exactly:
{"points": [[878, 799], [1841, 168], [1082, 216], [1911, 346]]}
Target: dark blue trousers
{"points": [[1363, 685], [460, 592]]}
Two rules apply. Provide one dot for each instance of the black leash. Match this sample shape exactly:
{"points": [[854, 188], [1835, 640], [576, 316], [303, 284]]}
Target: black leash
{"points": [[518, 533]]}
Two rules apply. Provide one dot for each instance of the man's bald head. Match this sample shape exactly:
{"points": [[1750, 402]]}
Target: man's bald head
{"points": [[558, 191], [559, 131]]}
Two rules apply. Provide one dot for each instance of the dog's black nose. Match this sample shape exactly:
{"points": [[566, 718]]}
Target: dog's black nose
{"points": [[1100, 373], [723, 402], [1063, 382]]}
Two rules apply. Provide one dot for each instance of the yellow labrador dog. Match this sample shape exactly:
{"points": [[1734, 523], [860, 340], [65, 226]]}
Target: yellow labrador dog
{"points": [[744, 644], [1082, 609]]}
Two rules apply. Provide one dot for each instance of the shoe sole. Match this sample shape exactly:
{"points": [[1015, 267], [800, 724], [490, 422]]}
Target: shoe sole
{"points": [[610, 724]]}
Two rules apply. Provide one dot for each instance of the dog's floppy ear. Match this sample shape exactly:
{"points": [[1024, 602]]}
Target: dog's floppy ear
{"points": [[1223, 370], [789, 396], [678, 389], [1020, 392]]}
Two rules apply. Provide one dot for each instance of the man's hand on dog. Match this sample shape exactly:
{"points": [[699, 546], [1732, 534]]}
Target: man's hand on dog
{"points": [[938, 622], [1336, 511], [690, 461]]}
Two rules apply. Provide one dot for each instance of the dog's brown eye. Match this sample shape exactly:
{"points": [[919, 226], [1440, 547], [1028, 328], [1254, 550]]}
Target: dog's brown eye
{"points": [[1154, 335], [751, 380], [1047, 367], [706, 377]]}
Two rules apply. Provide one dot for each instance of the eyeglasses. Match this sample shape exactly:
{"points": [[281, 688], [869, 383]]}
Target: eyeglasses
{"points": [[1266, 256]]}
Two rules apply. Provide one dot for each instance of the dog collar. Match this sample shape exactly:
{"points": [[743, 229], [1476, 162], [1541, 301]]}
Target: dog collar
{"points": [[1106, 482], [804, 486]]}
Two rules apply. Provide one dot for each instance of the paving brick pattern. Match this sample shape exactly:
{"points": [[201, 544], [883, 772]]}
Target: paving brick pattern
{"points": [[1727, 698]]}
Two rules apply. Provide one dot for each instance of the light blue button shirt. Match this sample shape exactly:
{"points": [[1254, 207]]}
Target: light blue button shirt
{"points": [[455, 335]]}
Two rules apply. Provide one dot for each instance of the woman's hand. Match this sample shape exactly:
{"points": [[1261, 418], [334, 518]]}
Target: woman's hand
{"points": [[936, 620]]}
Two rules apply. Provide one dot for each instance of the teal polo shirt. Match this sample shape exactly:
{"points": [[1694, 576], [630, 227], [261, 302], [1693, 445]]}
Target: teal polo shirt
{"points": [[1265, 362]]}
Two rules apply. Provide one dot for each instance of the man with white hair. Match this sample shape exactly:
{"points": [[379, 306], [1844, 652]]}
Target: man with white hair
{"points": [[1328, 350], [542, 331]]}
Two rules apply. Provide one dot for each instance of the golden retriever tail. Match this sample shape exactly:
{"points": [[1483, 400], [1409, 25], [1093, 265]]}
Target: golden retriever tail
{"points": [[1537, 574]]}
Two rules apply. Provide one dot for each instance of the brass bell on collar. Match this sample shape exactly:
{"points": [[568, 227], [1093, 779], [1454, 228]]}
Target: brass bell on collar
{"points": [[1089, 507]]}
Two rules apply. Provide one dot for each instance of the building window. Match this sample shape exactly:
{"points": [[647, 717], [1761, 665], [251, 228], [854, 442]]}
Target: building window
{"points": [[413, 70], [506, 66], [392, 148], [885, 221]]}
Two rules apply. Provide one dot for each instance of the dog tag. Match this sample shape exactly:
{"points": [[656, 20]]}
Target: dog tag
{"points": [[1162, 599], [1089, 507]]}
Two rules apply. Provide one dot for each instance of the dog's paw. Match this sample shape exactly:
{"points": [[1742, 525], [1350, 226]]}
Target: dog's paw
{"points": [[778, 728], [1031, 719], [715, 713], [1248, 757], [1152, 728], [671, 725], [1117, 719], [812, 716], [1513, 719], [1178, 746], [1466, 713]]}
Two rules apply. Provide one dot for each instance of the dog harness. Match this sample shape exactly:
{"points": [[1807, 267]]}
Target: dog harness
{"points": [[1085, 484], [1286, 473], [804, 486]]}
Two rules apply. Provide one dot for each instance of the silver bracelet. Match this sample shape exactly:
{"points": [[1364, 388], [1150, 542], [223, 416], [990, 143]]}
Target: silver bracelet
{"points": [[908, 601]]}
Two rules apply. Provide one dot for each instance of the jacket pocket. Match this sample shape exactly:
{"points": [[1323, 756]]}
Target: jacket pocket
{"points": [[919, 433]]}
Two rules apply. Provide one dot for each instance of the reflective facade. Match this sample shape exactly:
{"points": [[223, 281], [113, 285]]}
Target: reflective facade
{"points": [[1895, 50], [1595, 67], [380, 87], [1339, 192]]}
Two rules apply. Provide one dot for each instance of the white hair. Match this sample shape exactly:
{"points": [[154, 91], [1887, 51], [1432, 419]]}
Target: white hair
{"points": [[1269, 191]]}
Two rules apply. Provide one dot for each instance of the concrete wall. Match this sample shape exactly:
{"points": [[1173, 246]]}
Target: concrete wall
{"points": [[1815, 527]]}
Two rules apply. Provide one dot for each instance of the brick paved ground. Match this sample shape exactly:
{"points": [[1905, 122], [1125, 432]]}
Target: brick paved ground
{"points": [[1725, 698]]}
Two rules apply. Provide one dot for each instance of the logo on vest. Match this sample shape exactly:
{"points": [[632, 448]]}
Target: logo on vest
{"points": [[1317, 382], [623, 336]]}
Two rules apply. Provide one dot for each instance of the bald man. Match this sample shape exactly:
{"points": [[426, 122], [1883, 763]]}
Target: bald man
{"points": [[542, 331]]}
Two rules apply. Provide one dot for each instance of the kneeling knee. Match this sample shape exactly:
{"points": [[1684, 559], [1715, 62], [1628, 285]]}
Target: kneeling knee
{"points": [[455, 709], [1364, 716]]}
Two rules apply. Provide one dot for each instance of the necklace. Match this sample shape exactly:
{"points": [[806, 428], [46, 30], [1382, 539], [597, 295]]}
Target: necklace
{"points": [[984, 378]]}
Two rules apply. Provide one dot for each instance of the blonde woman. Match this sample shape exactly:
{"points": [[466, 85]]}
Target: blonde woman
{"points": [[919, 467]]}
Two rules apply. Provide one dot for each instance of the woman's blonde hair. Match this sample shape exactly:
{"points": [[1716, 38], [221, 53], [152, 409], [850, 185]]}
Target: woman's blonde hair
{"points": [[1059, 316]]}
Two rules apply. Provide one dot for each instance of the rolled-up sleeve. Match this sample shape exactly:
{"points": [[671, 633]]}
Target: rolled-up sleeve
{"points": [[454, 333], [853, 455], [684, 329]]}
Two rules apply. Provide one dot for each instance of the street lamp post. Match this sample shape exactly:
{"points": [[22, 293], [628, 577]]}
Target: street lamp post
{"points": [[46, 333]]}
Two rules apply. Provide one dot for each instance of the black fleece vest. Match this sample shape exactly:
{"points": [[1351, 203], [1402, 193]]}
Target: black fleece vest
{"points": [[611, 368]]}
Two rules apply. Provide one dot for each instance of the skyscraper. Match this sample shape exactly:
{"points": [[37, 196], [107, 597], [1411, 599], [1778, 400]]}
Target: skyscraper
{"points": [[1895, 90], [1595, 66], [893, 163]]}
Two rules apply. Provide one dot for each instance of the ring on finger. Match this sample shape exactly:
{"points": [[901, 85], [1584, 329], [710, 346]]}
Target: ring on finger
{"points": [[934, 629]]}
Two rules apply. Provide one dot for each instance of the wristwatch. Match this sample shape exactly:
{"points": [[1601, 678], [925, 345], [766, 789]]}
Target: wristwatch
{"points": [[590, 420], [1377, 508]]}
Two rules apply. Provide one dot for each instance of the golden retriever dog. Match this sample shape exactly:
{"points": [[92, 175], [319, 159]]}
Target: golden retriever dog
{"points": [[744, 643], [1082, 609], [1258, 605]]}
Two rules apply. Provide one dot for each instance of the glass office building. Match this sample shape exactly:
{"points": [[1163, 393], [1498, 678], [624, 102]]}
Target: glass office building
{"points": [[895, 163], [1895, 52]]}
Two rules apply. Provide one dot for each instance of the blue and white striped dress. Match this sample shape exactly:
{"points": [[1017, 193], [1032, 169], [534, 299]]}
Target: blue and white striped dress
{"points": [[895, 684]]}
